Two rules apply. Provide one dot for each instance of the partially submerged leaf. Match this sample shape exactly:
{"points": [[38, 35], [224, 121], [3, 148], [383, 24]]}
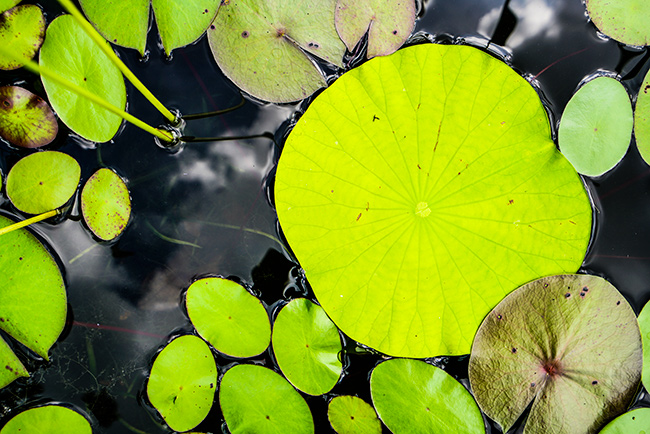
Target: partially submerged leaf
{"points": [[642, 119], [635, 421], [50, 419], [21, 32], [10, 366], [624, 20], [568, 344], [352, 415], [25, 119], [106, 204]]}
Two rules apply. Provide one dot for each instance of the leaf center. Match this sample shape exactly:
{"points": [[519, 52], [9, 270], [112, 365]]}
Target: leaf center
{"points": [[422, 209], [552, 368]]}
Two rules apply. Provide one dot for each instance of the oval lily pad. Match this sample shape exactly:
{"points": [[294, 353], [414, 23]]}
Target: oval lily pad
{"points": [[11, 368], [255, 399], [307, 344], [596, 126], [50, 419], [624, 20], [21, 32], [642, 119], [413, 396], [71, 53], [644, 326], [387, 23], [227, 316], [635, 421], [422, 187], [25, 119], [261, 46], [183, 382], [568, 344], [106, 204], [352, 415], [43, 181]]}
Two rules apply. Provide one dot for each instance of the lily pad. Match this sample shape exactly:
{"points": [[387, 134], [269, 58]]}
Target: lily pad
{"points": [[261, 46], [13, 367], [255, 399], [50, 419], [644, 326], [387, 23], [413, 396], [43, 181], [106, 204], [596, 126], [71, 53], [183, 382], [25, 119], [352, 415], [307, 344], [8, 4], [179, 22], [568, 344], [227, 316], [421, 188], [635, 421], [642, 119], [21, 32], [623, 20]]}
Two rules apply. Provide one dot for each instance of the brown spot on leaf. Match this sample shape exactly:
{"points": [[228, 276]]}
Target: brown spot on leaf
{"points": [[245, 34], [567, 295], [359, 216]]}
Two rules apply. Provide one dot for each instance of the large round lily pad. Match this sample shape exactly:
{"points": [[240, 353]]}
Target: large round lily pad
{"points": [[624, 20], [48, 419], [569, 344], [21, 32], [352, 415], [642, 119], [106, 204], [25, 119], [420, 189]]}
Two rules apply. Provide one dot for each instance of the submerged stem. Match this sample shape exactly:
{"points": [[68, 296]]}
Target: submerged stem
{"points": [[216, 112], [28, 222]]}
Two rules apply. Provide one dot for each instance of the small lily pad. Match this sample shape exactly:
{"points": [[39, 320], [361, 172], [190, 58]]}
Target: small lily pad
{"points": [[43, 181], [21, 32], [307, 344], [183, 382], [352, 415], [644, 326], [106, 204], [388, 24], [255, 399], [26, 120], [569, 344], [227, 316], [596, 126], [624, 20], [413, 396], [50, 419], [8, 4], [632, 422], [642, 119], [11, 367]]}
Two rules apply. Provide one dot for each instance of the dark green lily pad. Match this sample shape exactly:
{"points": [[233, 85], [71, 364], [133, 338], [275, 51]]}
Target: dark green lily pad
{"points": [[21, 32], [352, 415], [632, 422], [11, 368], [644, 326], [642, 119], [255, 399], [25, 119], [413, 396], [261, 46], [48, 419], [623, 20], [43, 181], [183, 382], [106, 204], [568, 344]]}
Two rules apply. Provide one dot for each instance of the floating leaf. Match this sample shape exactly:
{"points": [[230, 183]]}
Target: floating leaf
{"points": [[21, 32], [43, 181], [421, 188], [106, 204], [255, 399], [644, 325], [352, 415], [183, 382], [228, 317], [570, 344], [624, 20], [413, 396], [642, 119], [71, 53], [7, 4], [50, 419], [635, 421], [596, 126], [261, 46], [307, 344], [388, 23], [25, 119], [10, 366]]}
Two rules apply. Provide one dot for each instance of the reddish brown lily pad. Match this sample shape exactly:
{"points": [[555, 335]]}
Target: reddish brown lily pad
{"points": [[26, 120]]}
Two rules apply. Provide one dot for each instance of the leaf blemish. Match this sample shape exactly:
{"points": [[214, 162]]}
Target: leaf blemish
{"points": [[244, 34], [567, 295]]}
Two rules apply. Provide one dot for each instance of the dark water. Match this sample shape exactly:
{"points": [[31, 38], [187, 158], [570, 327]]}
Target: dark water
{"points": [[205, 210]]}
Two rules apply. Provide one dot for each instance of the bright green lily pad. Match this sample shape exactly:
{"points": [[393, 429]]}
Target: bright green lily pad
{"points": [[12, 367], [8, 4], [568, 344], [261, 46], [596, 126], [34, 303], [421, 188], [642, 119], [632, 422], [183, 382], [644, 326], [413, 396], [43, 181], [227, 316], [307, 344], [71, 53], [25, 119], [255, 399], [388, 24], [21, 32], [623, 20], [106, 204], [352, 415], [48, 419]]}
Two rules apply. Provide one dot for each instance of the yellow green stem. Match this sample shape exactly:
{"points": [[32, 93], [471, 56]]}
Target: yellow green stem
{"points": [[28, 222]]}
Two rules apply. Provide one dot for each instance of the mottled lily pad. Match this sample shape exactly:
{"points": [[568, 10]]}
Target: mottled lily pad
{"points": [[21, 32], [50, 419], [106, 204], [569, 344], [26, 120], [352, 415], [642, 119], [624, 20], [632, 422]]}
